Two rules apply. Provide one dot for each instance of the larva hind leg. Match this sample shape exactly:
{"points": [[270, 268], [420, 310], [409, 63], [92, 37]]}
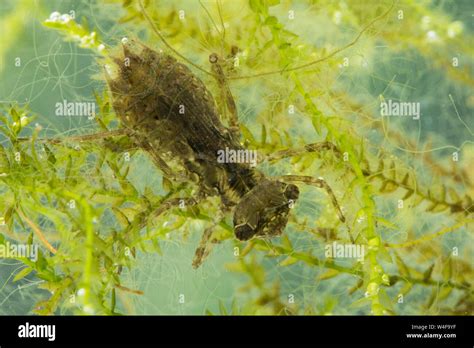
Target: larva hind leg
{"points": [[229, 107]]}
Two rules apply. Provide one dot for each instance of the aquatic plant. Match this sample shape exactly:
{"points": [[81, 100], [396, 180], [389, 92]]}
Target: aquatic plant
{"points": [[301, 74]]}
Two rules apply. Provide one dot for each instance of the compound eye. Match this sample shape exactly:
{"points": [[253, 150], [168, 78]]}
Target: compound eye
{"points": [[244, 232], [292, 192], [234, 50], [213, 58]]}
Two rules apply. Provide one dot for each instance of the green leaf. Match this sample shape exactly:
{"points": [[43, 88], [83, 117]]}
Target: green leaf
{"points": [[364, 301], [331, 273], [418, 200], [286, 243], [385, 300], [453, 195], [41, 263], [235, 267], [388, 187], [432, 298], [271, 3], [408, 194], [438, 208], [444, 292], [121, 217], [8, 216], [284, 46], [276, 137], [167, 184], [447, 271], [386, 223], [50, 154], [264, 135], [14, 114], [271, 21], [385, 255], [405, 179], [22, 274], [222, 308], [393, 171], [406, 288], [428, 272], [356, 287], [257, 6], [30, 238], [288, 261], [316, 124], [235, 308], [381, 166], [156, 246], [402, 267], [247, 135]]}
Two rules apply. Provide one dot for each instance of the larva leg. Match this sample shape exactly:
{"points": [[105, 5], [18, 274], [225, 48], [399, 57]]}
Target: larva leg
{"points": [[163, 207], [320, 183], [314, 147], [81, 138], [204, 247], [206, 243], [226, 96]]}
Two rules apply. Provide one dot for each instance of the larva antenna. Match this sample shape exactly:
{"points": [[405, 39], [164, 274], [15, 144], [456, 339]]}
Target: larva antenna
{"points": [[303, 66], [320, 60], [162, 38]]}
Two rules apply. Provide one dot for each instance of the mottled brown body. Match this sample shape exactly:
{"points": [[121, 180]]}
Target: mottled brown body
{"points": [[172, 115]]}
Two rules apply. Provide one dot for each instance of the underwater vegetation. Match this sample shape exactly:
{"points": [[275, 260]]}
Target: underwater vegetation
{"points": [[349, 190]]}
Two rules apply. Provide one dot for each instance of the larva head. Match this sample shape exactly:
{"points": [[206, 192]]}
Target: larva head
{"points": [[131, 67], [263, 211], [134, 80]]}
